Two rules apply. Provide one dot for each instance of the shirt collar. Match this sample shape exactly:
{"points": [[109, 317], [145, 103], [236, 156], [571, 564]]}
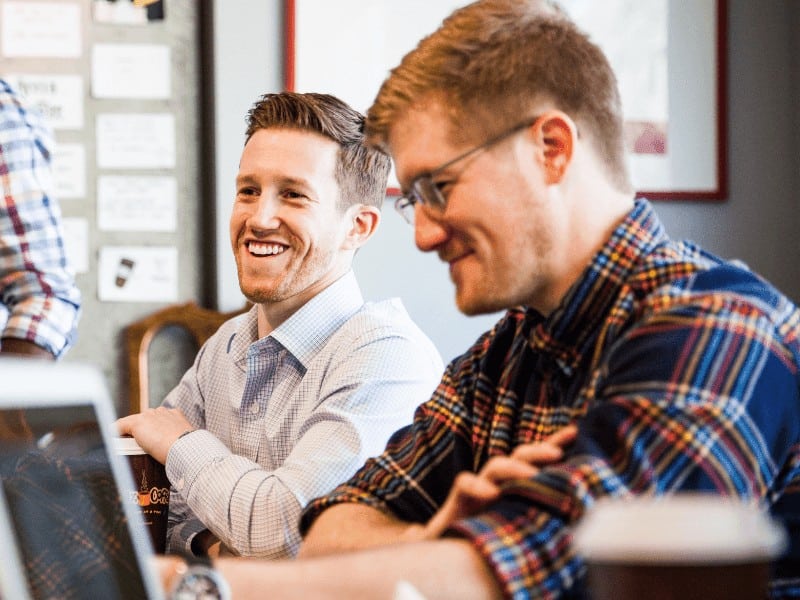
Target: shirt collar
{"points": [[309, 328], [572, 328]]}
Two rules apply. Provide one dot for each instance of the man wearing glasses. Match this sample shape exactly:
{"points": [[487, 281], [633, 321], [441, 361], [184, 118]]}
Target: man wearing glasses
{"points": [[627, 363]]}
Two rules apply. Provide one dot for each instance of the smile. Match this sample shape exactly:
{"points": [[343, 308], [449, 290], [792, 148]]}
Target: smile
{"points": [[261, 249]]}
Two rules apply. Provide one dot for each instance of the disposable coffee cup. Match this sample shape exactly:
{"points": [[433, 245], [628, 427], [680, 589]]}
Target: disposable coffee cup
{"points": [[152, 490], [683, 547]]}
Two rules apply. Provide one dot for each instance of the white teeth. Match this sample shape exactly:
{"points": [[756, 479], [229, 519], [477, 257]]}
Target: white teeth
{"points": [[265, 249]]}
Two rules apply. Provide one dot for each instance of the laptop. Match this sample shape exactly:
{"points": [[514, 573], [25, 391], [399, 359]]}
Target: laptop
{"points": [[64, 529]]}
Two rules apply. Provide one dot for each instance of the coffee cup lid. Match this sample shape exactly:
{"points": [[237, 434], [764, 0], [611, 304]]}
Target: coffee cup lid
{"points": [[127, 446], [685, 528]]}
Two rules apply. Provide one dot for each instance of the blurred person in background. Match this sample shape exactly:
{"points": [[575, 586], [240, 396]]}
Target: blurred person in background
{"points": [[39, 301]]}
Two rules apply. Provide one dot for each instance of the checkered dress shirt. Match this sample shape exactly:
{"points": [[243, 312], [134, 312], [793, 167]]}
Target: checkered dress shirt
{"points": [[287, 417], [39, 301]]}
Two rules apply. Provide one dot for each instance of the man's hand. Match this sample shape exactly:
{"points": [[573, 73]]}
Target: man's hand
{"points": [[168, 569], [23, 348], [155, 430], [472, 493], [206, 543]]}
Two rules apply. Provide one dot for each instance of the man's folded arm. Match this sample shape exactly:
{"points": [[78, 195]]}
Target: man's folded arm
{"points": [[345, 527]]}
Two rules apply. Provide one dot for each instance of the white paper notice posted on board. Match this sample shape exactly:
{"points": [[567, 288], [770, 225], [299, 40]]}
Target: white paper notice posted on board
{"points": [[137, 203], [76, 242], [131, 71], [40, 29], [57, 98], [69, 171], [136, 141], [138, 274]]}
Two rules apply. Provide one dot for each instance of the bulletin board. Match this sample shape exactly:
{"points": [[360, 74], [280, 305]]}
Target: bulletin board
{"points": [[118, 83]]}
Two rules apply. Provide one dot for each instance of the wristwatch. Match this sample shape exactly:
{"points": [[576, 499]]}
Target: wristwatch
{"points": [[198, 580]]}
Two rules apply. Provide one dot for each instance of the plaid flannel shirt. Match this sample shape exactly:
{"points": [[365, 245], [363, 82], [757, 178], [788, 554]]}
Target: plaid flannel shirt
{"points": [[681, 372]]}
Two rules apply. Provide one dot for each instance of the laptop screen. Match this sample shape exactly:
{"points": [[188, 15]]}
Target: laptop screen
{"points": [[70, 530]]}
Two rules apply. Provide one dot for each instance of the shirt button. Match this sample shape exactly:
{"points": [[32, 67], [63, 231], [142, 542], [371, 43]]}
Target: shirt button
{"points": [[180, 483], [254, 408]]}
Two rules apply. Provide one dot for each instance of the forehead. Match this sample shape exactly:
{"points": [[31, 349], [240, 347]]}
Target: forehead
{"points": [[294, 150], [420, 139]]}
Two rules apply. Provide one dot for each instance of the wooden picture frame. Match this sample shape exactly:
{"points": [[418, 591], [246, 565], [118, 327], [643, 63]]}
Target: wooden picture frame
{"points": [[669, 57]]}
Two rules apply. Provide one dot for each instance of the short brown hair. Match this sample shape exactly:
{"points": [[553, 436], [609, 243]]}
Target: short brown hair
{"points": [[492, 60], [361, 172]]}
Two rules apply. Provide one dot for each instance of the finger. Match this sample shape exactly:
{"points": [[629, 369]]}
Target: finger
{"points": [[563, 436], [125, 425], [471, 486], [503, 468], [469, 495], [537, 453], [548, 450]]}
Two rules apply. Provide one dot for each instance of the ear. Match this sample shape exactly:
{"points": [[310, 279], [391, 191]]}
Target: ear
{"points": [[557, 135], [363, 222]]}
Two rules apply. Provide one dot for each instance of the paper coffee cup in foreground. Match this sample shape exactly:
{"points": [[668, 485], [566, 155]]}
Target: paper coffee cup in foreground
{"points": [[152, 489], [682, 546]]}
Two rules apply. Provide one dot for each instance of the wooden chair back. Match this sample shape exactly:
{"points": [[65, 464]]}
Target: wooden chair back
{"points": [[200, 323]]}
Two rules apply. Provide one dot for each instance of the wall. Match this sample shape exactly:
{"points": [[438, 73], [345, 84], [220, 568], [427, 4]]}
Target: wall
{"points": [[760, 220], [758, 223], [99, 332]]}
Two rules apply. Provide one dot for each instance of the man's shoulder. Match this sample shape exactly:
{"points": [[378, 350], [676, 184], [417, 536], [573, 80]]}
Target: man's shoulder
{"points": [[725, 290], [389, 314], [725, 280], [385, 319]]}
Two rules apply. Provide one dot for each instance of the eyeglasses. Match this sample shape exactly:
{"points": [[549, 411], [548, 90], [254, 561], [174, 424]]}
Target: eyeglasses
{"points": [[425, 191]]}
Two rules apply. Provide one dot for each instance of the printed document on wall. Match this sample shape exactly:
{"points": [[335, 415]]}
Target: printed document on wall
{"points": [[69, 171], [76, 242], [57, 98], [140, 71], [137, 203], [40, 29], [136, 141], [138, 274]]}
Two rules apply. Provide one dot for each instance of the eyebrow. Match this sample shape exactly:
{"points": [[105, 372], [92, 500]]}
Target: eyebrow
{"points": [[298, 181], [280, 181], [240, 179]]}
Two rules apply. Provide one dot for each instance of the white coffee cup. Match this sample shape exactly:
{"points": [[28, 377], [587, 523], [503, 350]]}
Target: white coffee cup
{"points": [[678, 547]]}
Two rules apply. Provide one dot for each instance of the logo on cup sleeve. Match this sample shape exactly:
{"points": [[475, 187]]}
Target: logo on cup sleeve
{"points": [[150, 495]]}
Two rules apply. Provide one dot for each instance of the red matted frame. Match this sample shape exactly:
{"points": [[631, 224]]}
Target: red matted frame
{"points": [[718, 192]]}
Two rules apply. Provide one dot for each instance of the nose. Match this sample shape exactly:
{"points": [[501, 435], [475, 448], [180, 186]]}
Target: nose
{"points": [[429, 230], [264, 214]]}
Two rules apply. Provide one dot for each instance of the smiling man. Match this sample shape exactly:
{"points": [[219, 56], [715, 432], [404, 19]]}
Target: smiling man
{"points": [[287, 400]]}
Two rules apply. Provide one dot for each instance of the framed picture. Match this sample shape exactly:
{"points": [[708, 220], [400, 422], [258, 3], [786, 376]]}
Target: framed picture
{"points": [[669, 57]]}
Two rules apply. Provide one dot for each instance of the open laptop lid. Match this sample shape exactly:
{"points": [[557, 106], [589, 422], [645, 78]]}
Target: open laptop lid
{"points": [[63, 528]]}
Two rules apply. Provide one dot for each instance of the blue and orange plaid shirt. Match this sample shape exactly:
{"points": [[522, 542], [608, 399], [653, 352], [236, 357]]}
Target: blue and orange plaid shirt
{"points": [[681, 372]]}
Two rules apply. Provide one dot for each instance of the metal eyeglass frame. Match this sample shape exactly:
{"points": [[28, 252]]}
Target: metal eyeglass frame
{"points": [[425, 191]]}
